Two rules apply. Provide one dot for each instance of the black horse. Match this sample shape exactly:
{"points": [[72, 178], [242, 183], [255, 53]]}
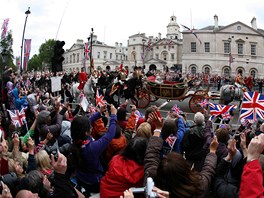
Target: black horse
{"points": [[126, 89]]}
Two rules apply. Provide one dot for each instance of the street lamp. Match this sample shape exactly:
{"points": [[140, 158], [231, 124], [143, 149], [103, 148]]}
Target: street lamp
{"points": [[230, 55], [91, 48], [21, 58], [143, 56]]}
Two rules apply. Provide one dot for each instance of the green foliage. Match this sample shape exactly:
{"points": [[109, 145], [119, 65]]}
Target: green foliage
{"points": [[35, 63], [46, 52], [6, 45]]}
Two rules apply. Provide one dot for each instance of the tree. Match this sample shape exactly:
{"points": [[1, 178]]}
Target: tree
{"points": [[46, 52], [35, 63], [6, 44]]}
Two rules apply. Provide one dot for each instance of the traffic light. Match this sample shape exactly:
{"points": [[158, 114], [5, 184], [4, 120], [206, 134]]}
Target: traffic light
{"points": [[58, 58]]}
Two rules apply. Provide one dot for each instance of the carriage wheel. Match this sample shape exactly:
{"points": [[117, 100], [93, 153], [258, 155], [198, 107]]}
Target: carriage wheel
{"points": [[143, 99], [193, 103]]}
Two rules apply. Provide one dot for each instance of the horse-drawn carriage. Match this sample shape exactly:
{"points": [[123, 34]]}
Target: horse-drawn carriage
{"points": [[176, 91]]}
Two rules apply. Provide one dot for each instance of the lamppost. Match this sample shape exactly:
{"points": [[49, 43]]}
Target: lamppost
{"points": [[143, 56], [91, 48], [230, 55], [21, 55]]}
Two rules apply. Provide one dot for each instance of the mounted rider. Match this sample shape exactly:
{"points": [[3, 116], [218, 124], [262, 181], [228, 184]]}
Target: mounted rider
{"points": [[82, 79], [239, 82]]}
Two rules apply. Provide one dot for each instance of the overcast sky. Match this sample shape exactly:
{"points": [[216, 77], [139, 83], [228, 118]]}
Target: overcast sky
{"points": [[116, 20]]}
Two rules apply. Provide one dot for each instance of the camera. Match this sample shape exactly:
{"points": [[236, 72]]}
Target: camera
{"points": [[147, 190], [55, 154], [10, 180]]}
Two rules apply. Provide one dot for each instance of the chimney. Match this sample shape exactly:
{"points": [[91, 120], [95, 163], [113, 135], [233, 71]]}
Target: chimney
{"points": [[159, 36], [116, 44], [254, 23], [216, 22], [79, 41], [120, 44]]}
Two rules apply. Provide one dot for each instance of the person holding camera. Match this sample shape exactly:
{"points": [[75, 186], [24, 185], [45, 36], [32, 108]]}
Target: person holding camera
{"points": [[86, 152]]}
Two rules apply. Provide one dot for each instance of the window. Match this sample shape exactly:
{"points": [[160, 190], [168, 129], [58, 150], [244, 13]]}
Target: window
{"points": [[207, 70], [70, 58], [253, 73], [110, 55], [226, 72], [226, 48], [98, 54], [172, 46], [157, 56], [164, 46], [134, 48], [67, 59], [172, 56], [253, 50], [157, 47], [78, 58], [105, 54], [73, 58], [193, 46], [193, 70], [116, 57], [206, 47], [240, 48], [120, 50], [165, 57]]}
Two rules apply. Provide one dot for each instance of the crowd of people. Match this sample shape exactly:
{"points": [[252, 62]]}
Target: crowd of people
{"points": [[49, 148]]}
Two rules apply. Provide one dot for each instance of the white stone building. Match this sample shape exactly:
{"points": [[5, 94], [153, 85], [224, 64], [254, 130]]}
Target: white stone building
{"points": [[224, 49], [211, 52], [102, 54]]}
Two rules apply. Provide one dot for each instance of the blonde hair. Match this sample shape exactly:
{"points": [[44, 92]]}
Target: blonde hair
{"points": [[144, 130], [12, 163], [43, 160]]}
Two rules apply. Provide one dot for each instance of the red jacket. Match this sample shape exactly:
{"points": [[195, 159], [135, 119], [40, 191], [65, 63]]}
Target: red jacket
{"points": [[82, 79], [251, 185], [121, 175]]}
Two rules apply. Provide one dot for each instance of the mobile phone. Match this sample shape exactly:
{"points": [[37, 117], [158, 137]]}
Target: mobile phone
{"points": [[55, 154]]}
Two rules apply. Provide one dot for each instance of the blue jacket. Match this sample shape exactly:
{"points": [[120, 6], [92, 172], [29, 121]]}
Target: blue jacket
{"points": [[92, 151], [177, 147], [19, 102]]}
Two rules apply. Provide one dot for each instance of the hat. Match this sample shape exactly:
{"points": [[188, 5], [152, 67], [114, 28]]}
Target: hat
{"points": [[42, 116]]}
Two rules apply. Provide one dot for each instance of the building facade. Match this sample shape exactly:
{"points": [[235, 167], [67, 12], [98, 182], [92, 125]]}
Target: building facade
{"points": [[214, 49], [224, 50]]}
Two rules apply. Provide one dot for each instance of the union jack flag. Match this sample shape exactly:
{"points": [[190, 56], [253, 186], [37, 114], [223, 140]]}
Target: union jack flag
{"points": [[86, 51], [170, 43], [4, 28], [219, 109], [27, 48], [176, 109], [203, 103], [226, 116], [171, 141], [192, 31], [252, 106], [18, 117], [245, 123], [99, 99]]}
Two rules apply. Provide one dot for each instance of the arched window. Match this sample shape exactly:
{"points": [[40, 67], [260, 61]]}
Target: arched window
{"points": [[226, 72], [253, 73], [207, 70], [193, 70]]}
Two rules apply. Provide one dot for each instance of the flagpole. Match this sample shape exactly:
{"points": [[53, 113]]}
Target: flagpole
{"points": [[21, 55]]}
